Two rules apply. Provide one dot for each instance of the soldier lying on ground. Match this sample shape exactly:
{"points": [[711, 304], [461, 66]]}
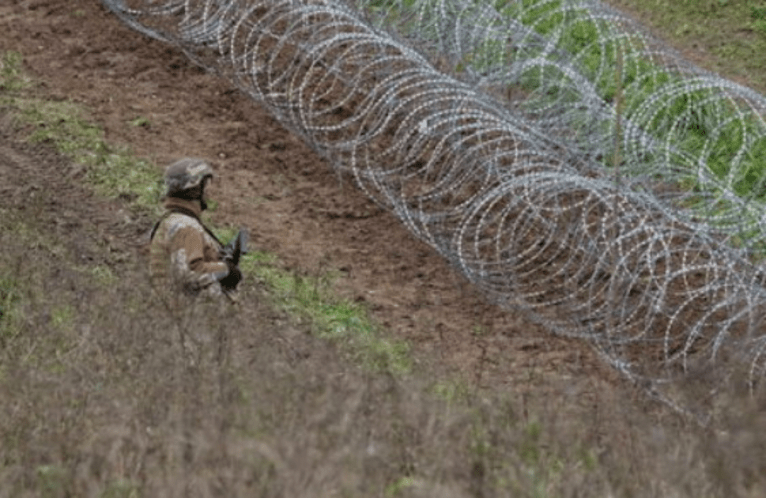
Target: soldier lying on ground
{"points": [[185, 255]]}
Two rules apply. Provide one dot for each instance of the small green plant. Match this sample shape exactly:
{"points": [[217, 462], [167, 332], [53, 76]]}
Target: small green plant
{"points": [[588, 459], [103, 274], [530, 450], [12, 77], [758, 15], [480, 331], [121, 488], [9, 298], [52, 481], [397, 487], [140, 121], [454, 391], [62, 317]]}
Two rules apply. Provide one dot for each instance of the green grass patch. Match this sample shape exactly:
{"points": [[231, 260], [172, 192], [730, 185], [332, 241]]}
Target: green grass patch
{"points": [[62, 317], [695, 129], [691, 116], [113, 171], [729, 32], [334, 318], [12, 78], [9, 299]]}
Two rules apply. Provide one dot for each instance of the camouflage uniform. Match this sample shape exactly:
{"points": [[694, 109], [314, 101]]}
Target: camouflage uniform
{"points": [[184, 255]]}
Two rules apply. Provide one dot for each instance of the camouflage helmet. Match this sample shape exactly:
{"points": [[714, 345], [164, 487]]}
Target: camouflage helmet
{"points": [[185, 174]]}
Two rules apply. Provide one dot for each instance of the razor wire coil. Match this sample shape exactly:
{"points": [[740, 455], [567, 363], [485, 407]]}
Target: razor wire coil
{"points": [[500, 160]]}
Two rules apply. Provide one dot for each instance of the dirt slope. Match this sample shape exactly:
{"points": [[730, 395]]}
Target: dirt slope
{"points": [[271, 182]]}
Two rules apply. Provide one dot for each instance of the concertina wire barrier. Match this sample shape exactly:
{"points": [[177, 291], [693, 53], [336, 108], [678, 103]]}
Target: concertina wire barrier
{"points": [[502, 162]]}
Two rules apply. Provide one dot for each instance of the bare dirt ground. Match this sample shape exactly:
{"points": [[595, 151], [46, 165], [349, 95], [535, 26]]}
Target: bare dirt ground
{"points": [[289, 197]]}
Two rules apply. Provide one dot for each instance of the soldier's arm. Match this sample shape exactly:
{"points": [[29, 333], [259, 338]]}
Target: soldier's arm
{"points": [[187, 246]]}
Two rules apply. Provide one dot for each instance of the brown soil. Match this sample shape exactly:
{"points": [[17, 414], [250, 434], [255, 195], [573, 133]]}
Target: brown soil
{"points": [[271, 182]]}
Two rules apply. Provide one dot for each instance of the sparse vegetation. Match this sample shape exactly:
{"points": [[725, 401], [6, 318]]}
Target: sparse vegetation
{"points": [[311, 298], [113, 171], [11, 77]]}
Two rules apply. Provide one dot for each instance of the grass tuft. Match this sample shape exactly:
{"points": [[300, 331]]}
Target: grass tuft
{"points": [[12, 78]]}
